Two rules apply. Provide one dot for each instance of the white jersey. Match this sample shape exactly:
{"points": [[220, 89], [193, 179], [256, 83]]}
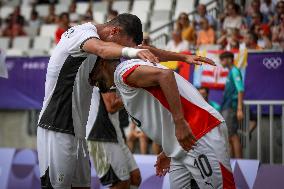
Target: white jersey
{"points": [[149, 108], [66, 87]]}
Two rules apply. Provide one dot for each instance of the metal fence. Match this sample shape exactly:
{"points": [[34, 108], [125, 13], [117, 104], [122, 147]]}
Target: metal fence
{"points": [[245, 132]]}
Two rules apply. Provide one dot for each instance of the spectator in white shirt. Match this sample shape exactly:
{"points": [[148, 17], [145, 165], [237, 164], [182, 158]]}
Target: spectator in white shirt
{"points": [[177, 44], [234, 19]]}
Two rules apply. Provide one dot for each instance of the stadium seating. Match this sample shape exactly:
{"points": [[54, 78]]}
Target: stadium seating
{"points": [[4, 42], [183, 6], [163, 5], [121, 6], [42, 10], [48, 30]]}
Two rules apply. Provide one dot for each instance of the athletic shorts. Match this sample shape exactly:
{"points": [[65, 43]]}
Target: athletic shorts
{"points": [[63, 160], [208, 163], [230, 117], [113, 162]]}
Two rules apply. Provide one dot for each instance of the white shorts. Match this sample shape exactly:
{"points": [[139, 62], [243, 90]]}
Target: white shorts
{"points": [[207, 165], [113, 161], [63, 160]]}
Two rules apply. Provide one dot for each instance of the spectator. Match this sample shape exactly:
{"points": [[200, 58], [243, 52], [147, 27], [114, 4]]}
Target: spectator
{"points": [[206, 35], [230, 39], [267, 7], [13, 30], [278, 32], [232, 105], [234, 19], [262, 31], [279, 10], [88, 17], [134, 135], [74, 16], [250, 41], [34, 22], [112, 14], [187, 31], [1, 27], [201, 14], [255, 9], [64, 24], [177, 44], [205, 94], [52, 17], [16, 17]]}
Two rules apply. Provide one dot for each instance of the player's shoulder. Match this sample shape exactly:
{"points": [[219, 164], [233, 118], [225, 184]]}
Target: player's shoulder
{"points": [[128, 64]]}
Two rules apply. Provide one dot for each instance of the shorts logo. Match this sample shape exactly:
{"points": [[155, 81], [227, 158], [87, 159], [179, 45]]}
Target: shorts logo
{"points": [[272, 63], [61, 177]]}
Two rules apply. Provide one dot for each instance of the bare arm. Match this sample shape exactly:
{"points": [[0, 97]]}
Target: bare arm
{"points": [[240, 114], [146, 76], [110, 50], [112, 102], [172, 56]]}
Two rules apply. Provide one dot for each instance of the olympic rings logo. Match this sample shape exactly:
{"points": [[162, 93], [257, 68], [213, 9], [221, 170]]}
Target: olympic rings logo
{"points": [[272, 63]]}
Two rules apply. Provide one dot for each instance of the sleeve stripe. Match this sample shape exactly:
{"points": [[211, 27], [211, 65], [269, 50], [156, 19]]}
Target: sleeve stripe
{"points": [[127, 73], [83, 42]]}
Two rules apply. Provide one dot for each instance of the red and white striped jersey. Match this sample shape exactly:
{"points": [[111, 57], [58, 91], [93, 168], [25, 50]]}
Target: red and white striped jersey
{"points": [[150, 110]]}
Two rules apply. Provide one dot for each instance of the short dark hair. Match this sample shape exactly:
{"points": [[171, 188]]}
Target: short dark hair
{"points": [[226, 54], [131, 25], [204, 88]]}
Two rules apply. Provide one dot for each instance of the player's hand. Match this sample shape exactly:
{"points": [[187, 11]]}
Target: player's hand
{"points": [[198, 60], [184, 135], [145, 55], [240, 115], [162, 164]]}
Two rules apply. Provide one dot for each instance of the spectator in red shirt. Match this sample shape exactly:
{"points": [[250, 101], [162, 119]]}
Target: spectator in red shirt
{"points": [[64, 24]]}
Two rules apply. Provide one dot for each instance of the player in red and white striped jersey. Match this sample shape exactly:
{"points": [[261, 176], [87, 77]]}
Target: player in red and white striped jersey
{"points": [[173, 113]]}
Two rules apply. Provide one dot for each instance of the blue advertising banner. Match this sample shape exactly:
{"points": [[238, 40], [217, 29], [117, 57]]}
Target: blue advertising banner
{"points": [[24, 89]]}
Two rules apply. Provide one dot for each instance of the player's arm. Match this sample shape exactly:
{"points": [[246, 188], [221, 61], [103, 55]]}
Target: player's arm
{"points": [[172, 56], [147, 76], [240, 88], [110, 50], [112, 102]]}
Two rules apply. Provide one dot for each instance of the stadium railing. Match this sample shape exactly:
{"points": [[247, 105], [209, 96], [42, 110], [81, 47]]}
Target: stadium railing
{"points": [[259, 117]]}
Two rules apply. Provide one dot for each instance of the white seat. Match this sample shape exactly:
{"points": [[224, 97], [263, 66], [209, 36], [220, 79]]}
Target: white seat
{"points": [[13, 3], [141, 6], [14, 52], [121, 6], [160, 15], [22, 43], [42, 43], [26, 12], [36, 52], [100, 6], [60, 8], [82, 8], [5, 11], [42, 10], [4, 43], [31, 31], [157, 24], [163, 5], [184, 6], [99, 17], [142, 15], [48, 30], [65, 2]]}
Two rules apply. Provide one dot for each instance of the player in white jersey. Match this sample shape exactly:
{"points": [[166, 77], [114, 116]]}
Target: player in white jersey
{"points": [[62, 151], [173, 113], [112, 159]]}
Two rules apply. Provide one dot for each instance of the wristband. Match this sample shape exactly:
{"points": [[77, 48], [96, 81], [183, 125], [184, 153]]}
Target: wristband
{"points": [[128, 52]]}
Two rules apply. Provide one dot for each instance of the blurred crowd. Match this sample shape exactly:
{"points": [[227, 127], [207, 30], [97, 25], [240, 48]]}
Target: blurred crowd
{"points": [[14, 25], [258, 26]]}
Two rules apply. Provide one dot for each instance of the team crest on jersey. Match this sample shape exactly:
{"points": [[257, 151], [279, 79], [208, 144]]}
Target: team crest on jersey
{"points": [[60, 177]]}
